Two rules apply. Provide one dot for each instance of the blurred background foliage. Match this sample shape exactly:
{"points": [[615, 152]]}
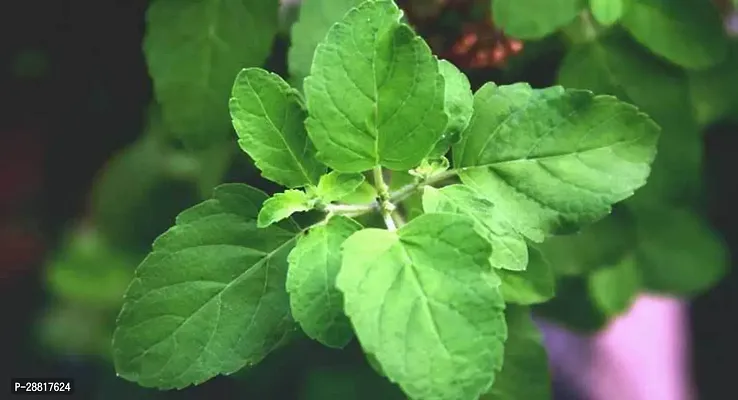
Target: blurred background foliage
{"points": [[114, 121]]}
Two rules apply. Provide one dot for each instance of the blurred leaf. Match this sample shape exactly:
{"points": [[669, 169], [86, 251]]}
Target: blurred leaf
{"points": [[595, 246], [615, 287], [194, 50], [127, 178], [525, 372], [688, 33], [573, 307], [616, 65], [678, 253], [70, 328], [349, 383], [212, 164], [134, 198], [607, 12], [534, 19], [89, 270], [676, 175], [715, 90], [316, 17]]}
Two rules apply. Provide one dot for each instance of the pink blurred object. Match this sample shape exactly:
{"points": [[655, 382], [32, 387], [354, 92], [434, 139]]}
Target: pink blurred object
{"points": [[643, 355]]}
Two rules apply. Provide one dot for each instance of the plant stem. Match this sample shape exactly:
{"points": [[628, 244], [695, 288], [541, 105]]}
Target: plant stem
{"points": [[385, 197], [398, 219], [389, 221], [350, 209], [379, 184], [386, 207], [407, 190]]}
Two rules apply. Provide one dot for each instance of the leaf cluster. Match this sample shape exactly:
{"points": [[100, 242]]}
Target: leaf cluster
{"points": [[471, 190]]}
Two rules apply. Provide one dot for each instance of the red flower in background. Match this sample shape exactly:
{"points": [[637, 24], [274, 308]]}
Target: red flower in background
{"points": [[481, 46], [21, 171], [461, 31]]}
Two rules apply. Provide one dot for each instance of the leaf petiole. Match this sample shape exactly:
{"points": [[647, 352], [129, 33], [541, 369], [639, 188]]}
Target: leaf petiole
{"points": [[386, 207], [355, 210]]}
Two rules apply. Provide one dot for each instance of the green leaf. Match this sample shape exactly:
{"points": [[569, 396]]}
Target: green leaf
{"points": [[509, 250], [194, 49], [525, 372], [364, 193], [283, 205], [210, 298], [618, 66], [459, 103], [534, 285], [688, 33], [429, 168], [678, 253], [269, 118], [554, 160], [314, 263], [316, 17], [607, 12], [600, 244], [534, 19], [614, 288], [336, 185], [375, 95], [426, 303]]}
